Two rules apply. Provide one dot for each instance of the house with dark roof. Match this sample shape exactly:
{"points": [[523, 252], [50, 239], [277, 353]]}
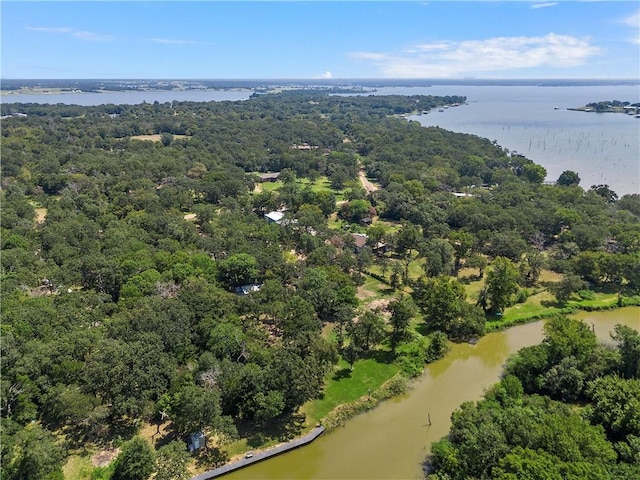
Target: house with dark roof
{"points": [[268, 177]]}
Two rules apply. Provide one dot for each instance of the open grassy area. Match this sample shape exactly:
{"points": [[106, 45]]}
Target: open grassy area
{"points": [[345, 386], [77, 468], [270, 186], [156, 137], [320, 185], [375, 289]]}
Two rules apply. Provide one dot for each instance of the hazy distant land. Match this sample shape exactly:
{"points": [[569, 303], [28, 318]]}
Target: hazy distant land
{"points": [[61, 86]]}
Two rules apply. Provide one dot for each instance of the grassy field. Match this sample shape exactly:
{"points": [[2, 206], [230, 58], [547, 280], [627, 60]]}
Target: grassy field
{"points": [[345, 386], [77, 468], [156, 137], [320, 185]]}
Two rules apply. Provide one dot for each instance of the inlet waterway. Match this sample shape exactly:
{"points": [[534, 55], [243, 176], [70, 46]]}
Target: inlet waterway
{"points": [[392, 440]]}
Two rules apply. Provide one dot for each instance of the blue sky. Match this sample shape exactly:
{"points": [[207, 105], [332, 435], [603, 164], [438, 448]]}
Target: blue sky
{"points": [[312, 39]]}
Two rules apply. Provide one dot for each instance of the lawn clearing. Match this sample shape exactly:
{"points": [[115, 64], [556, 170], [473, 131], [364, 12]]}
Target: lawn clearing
{"points": [[156, 137], [344, 386], [77, 468]]}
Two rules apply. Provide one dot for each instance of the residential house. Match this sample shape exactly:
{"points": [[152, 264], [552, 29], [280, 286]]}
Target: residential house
{"points": [[268, 177]]}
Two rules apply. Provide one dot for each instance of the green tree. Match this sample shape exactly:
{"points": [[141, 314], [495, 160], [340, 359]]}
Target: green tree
{"points": [[438, 255], [568, 178], [565, 337], [172, 461], [628, 341], [563, 289], [616, 405], [462, 243], [367, 330], [35, 455], [531, 267], [407, 239], [605, 192], [443, 301], [355, 210], [238, 269], [565, 381], [195, 408], [136, 461], [477, 261], [534, 173], [402, 311], [501, 284]]}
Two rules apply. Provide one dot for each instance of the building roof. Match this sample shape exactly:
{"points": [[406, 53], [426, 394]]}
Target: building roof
{"points": [[359, 239], [269, 176], [274, 216]]}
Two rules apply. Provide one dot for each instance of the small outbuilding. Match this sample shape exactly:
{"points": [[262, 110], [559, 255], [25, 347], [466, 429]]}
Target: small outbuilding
{"points": [[274, 217], [197, 441]]}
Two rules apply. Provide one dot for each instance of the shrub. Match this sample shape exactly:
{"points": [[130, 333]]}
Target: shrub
{"points": [[586, 295], [522, 296]]}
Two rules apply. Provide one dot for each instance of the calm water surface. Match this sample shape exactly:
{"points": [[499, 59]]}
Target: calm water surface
{"points": [[604, 148], [392, 440]]}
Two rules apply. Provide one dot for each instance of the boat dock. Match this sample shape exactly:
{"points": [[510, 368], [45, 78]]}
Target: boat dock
{"points": [[259, 456]]}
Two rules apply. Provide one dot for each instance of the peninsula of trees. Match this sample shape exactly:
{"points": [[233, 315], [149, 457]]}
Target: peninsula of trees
{"points": [[217, 267], [614, 106]]}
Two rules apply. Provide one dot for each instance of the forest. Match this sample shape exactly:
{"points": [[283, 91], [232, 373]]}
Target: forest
{"points": [[144, 283], [568, 408]]}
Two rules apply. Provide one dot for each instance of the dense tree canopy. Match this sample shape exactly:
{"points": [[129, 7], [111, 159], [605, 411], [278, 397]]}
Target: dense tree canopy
{"points": [[511, 434], [121, 257]]}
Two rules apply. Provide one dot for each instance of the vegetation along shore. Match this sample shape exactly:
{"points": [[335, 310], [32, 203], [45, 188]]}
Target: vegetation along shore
{"points": [[614, 106], [183, 283]]}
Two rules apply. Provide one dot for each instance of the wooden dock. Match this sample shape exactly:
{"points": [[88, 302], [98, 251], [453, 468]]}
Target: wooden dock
{"points": [[259, 456]]}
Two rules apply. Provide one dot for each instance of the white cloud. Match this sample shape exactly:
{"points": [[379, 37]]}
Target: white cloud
{"points": [[170, 41], [544, 5], [50, 29], [633, 21], [81, 34], [327, 74], [470, 57]]}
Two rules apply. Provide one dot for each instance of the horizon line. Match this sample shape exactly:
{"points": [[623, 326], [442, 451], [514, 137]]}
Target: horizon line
{"points": [[322, 79]]}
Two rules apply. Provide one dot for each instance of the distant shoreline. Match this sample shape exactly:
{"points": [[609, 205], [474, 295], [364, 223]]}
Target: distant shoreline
{"points": [[61, 91]]}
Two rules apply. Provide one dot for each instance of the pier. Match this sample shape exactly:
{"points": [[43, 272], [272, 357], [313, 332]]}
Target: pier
{"points": [[259, 456]]}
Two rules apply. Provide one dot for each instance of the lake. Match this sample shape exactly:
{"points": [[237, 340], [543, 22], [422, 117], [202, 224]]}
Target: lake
{"points": [[603, 148]]}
